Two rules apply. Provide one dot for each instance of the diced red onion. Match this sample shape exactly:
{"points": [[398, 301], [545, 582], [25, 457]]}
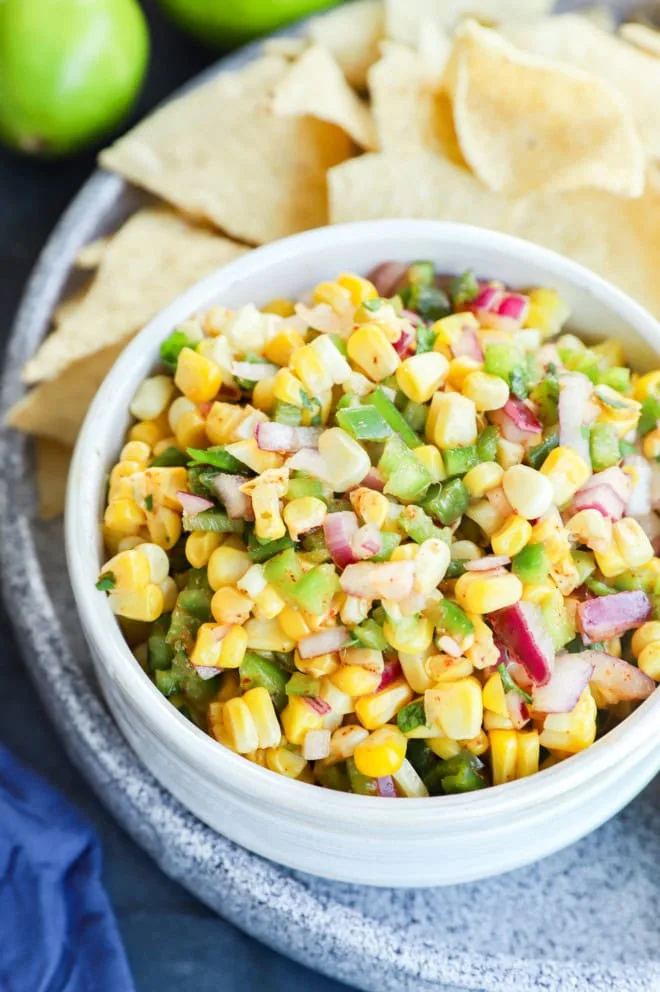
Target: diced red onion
{"points": [[254, 371], [373, 480], [272, 436], [247, 429], [575, 390], [617, 680], [516, 421], [310, 461], [237, 504], [500, 310], [316, 745], [639, 500], [391, 672], [379, 580], [387, 276], [615, 478], [206, 672], [487, 563], [386, 788], [320, 318], [339, 530], [450, 646], [518, 674], [601, 498], [486, 302], [514, 308], [405, 343], [192, 504], [467, 345], [610, 616], [320, 706], [366, 542], [570, 677], [324, 642], [517, 707], [523, 631]]}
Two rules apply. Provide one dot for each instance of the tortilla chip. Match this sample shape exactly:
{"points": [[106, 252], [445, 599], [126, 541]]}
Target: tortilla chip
{"points": [[572, 40], [67, 307], [600, 15], [525, 124], [53, 462], [91, 255], [57, 409], [404, 17], [410, 107], [642, 37], [218, 154], [149, 262], [619, 239], [316, 86], [286, 47], [351, 33]]}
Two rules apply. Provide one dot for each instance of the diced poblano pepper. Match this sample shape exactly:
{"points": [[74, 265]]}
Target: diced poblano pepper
{"points": [[314, 591], [283, 571], [257, 671], [447, 502], [364, 423], [531, 564], [603, 446], [449, 618], [458, 461]]}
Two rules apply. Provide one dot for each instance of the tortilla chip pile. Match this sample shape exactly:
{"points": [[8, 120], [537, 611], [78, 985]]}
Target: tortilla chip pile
{"points": [[487, 112]]}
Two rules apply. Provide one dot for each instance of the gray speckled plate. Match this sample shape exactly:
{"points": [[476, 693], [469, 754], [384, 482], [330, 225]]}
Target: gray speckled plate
{"points": [[584, 919]]}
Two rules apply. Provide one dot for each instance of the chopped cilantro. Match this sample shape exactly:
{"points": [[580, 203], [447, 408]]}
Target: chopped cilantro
{"points": [[106, 582]]}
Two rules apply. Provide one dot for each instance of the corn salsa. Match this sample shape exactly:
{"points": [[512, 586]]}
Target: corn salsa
{"points": [[396, 538]]}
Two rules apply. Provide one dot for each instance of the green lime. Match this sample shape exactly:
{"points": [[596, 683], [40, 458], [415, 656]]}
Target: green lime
{"points": [[231, 22], [69, 70]]}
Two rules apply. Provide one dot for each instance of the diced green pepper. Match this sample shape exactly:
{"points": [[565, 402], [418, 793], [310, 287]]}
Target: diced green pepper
{"points": [[411, 716], [557, 620], [303, 685], [597, 587], [627, 448], [261, 551], [545, 395], [218, 457], [339, 344], [616, 377], [364, 423], [257, 671], [458, 461], [603, 446], [450, 618], [170, 458], [585, 564], [421, 757], [283, 572], [581, 360], [510, 685], [455, 569], [302, 486], [417, 524], [649, 416], [388, 542], [415, 414], [315, 548], [361, 784], [447, 502], [463, 288], [538, 454], [506, 361], [487, 444], [393, 417], [287, 413], [333, 776], [466, 779], [531, 564], [430, 303], [159, 652], [314, 591], [214, 521], [628, 581], [197, 602], [407, 477], [172, 346], [425, 339], [167, 681], [420, 274], [370, 635]]}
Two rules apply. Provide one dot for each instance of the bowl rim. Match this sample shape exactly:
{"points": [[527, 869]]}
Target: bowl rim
{"points": [[640, 730]]}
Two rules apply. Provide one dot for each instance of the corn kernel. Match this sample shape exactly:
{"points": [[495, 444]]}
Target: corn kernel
{"points": [[251, 455], [610, 562], [145, 604], [494, 697], [190, 430], [150, 431], [446, 668], [477, 745], [281, 347], [444, 747], [649, 661], [547, 311], [449, 329], [130, 569], [298, 717], [647, 634], [267, 635], [135, 451], [344, 741], [378, 709], [454, 420], [268, 604], [416, 638], [431, 458], [152, 398], [421, 375], [512, 536], [529, 493], [372, 506], [263, 394], [651, 444], [293, 623], [230, 606], [226, 566], [369, 349], [459, 370], [591, 528], [431, 564], [632, 543], [405, 552], [483, 652], [487, 515], [198, 378], [318, 666], [567, 472], [164, 527], [285, 762], [485, 594], [233, 648], [487, 392], [124, 516], [334, 295], [647, 385], [301, 515], [280, 307], [360, 289], [355, 680], [239, 726], [482, 478], [308, 366], [200, 545], [414, 670], [455, 709], [574, 731], [346, 460], [493, 721], [503, 755], [527, 754], [509, 453], [382, 753], [262, 711], [208, 645]]}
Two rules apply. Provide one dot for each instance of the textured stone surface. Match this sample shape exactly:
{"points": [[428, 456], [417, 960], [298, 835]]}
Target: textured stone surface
{"points": [[585, 918]]}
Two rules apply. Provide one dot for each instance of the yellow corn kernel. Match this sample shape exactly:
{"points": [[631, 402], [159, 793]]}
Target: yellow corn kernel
{"points": [[503, 755], [268, 525], [649, 661], [378, 709], [263, 394], [164, 483], [198, 378], [483, 652], [651, 444], [145, 604], [208, 645], [233, 648], [297, 718], [566, 471], [482, 478], [494, 697], [130, 569], [421, 375], [547, 312], [370, 505], [319, 666], [459, 370], [190, 430], [485, 594], [288, 389], [293, 623], [347, 462], [336, 296], [411, 638], [591, 528], [230, 606], [509, 453], [492, 721], [170, 591], [527, 755], [414, 670], [550, 532], [454, 419], [164, 527], [150, 431], [487, 392], [444, 747], [449, 329], [477, 745], [152, 398], [135, 451], [251, 455], [308, 366], [537, 593], [455, 709], [280, 307], [382, 753], [405, 552], [262, 711], [360, 289], [369, 349], [285, 762], [281, 347], [647, 385], [167, 442], [431, 564], [632, 543], [226, 566], [512, 536], [445, 668], [239, 726], [431, 458], [610, 562], [647, 634], [355, 680], [222, 421], [124, 517], [529, 493], [344, 741], [574, 731], [200, 545], [267, 635], [268, 604], [301, 515], [565, 575]]}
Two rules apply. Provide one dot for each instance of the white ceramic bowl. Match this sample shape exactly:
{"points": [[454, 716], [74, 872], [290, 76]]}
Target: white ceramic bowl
{"points": [[413, 842]]}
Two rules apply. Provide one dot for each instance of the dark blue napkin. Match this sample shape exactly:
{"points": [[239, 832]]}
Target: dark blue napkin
{"points": [[57, 929]]}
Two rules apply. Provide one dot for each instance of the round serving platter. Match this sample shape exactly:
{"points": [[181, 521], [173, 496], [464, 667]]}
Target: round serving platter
{"points": [[584, 918]]}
